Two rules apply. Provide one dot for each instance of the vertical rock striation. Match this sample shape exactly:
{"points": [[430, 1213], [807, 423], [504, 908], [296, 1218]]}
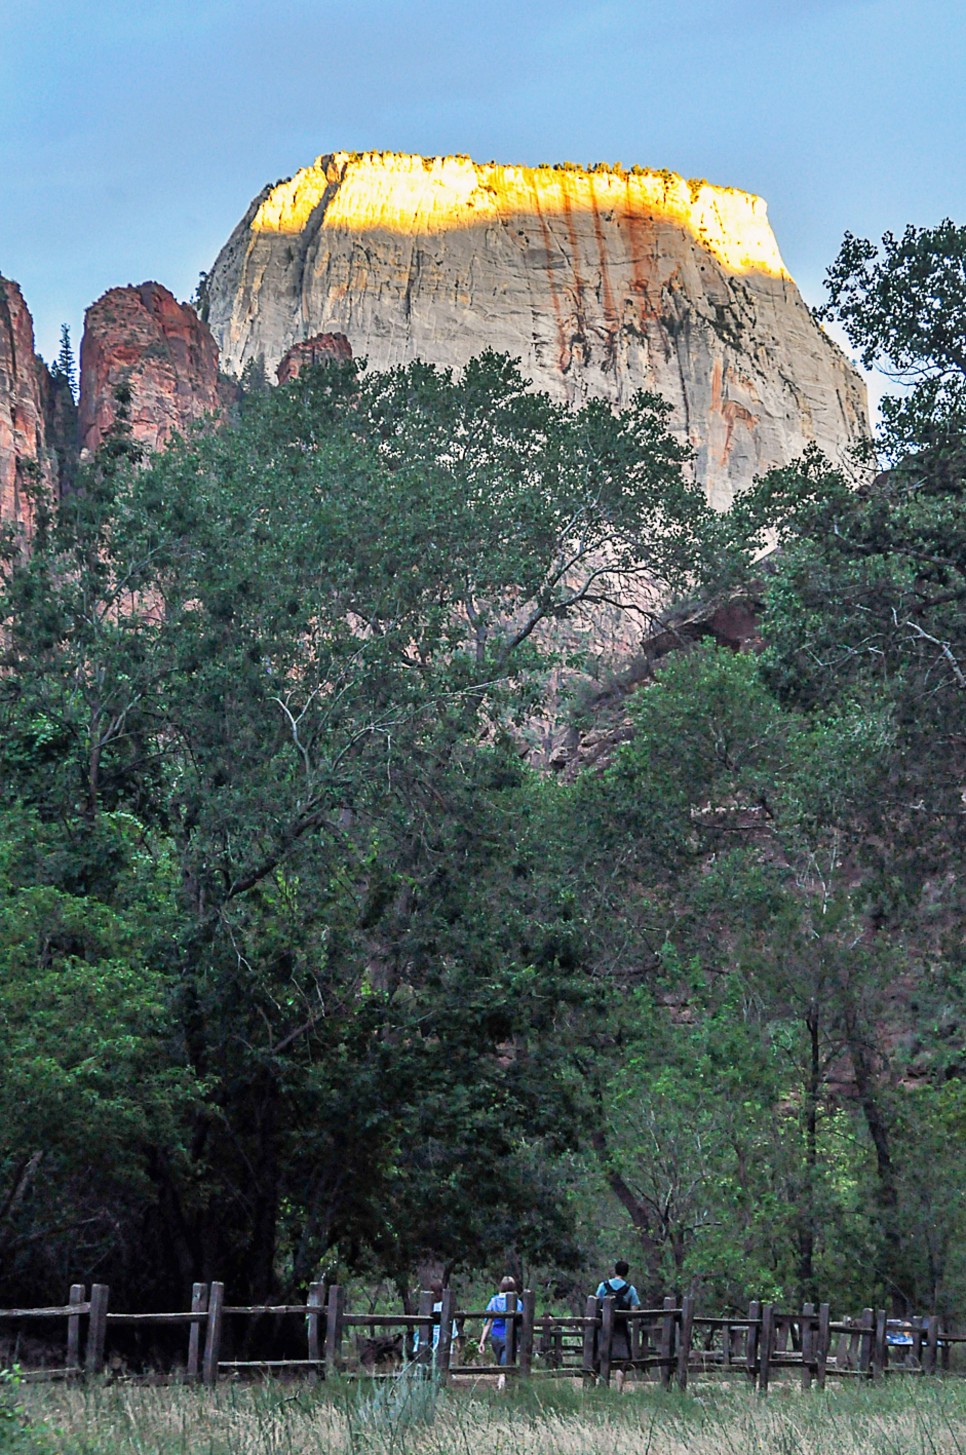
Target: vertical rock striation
{"points": [[601, 282], [161, 349]]}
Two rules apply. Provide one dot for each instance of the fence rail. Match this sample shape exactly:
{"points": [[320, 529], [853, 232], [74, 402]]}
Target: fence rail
{"points": [[671, 1344]]}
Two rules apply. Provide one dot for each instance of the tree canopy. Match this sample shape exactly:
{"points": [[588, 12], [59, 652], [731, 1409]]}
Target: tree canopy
{"points": [[903, 306], [308, 970], [260, 698]]}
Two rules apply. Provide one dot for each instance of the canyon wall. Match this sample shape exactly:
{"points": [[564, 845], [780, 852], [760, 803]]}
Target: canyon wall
{"points": [[144, 338], [36, 413], [601, 282]]}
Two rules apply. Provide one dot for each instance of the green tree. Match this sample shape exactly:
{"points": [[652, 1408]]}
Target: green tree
{"points": [[904, 308], [863, 626], [297, 653], [734, 816], [90, 1082], [64, 366]]}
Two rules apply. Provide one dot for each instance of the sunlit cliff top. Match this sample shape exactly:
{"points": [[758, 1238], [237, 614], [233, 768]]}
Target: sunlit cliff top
{"points": [[394, 192]]}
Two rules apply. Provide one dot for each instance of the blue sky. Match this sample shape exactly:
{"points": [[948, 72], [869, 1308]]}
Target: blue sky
{"points": [[133, 135]]}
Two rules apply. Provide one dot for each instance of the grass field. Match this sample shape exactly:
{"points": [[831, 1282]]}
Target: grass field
{"points": [[908, 1417]]}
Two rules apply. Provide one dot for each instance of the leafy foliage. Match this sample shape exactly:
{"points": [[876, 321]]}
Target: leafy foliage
{"points": [[306, 970], [260, 704], [905, 310]]}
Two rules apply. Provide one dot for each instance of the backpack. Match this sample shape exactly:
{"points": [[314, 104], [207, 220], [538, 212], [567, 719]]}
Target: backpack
{"points": [[621, 1296]]}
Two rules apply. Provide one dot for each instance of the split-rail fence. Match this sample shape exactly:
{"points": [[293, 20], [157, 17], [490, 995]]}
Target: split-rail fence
{"points": [[669, 1344]]}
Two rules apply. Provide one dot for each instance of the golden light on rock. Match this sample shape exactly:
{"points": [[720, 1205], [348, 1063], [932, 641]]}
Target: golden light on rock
{"points": [[415, 196], [600, 281]]}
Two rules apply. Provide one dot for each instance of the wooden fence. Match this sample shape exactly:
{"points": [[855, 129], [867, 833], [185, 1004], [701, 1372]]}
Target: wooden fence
{"points": [[669, 1344]]}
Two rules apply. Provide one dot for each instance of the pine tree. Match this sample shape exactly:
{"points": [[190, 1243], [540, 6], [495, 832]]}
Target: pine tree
{"points": [[64, 366]]}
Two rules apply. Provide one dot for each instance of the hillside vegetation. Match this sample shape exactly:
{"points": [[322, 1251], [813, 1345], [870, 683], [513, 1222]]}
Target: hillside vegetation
{"points": [[306, 972]]}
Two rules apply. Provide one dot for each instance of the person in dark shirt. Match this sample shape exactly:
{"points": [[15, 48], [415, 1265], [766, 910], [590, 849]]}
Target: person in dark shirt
{"points": [[625, 1298]]}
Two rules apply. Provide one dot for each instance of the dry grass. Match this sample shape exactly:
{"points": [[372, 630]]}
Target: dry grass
{"points": [[922, 1417]]}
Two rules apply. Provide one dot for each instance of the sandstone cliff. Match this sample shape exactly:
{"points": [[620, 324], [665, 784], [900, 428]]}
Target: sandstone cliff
{"points": [[36, 412], [143, 336], [323, 348], [600, 282]]}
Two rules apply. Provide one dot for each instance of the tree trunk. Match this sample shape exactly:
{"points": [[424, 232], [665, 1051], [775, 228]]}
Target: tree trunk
{"points": [[806, 1227], [893, 1269], [639, 1215]]}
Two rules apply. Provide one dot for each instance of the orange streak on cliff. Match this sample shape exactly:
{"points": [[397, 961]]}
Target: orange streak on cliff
{"points": [[729, 410]]}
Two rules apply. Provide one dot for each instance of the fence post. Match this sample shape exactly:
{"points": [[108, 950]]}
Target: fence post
{"points": [[751, 1343], [77, 1295], [444, 1352], [880, 1349], [590, 1340], [823, 1340], [867, 1326], [529, 1300], [333, 1330], [199, 1305], [766, 1346], [547, 1346], [684, 1347], [314, 1304], [726, 1350], [97, 1329], [216, 1302], [808, 1343], [932, 1344], [606, 1339], [512, 1329], [635, 1329], [667, 1340], [918, 1338], [424, 1343]]}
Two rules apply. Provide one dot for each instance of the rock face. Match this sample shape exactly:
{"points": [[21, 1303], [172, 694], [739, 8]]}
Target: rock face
{"points": [[324, 348], [36, 411], [161, 348], [601, 283], [142, 335]]}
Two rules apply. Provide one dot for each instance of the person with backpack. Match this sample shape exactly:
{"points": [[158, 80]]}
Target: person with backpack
{"points": [[625, 1298]]}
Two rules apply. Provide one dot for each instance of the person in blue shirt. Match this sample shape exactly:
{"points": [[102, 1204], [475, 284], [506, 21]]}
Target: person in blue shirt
{"points": [[625, 1298], [495, 1327], [437, 1290]]}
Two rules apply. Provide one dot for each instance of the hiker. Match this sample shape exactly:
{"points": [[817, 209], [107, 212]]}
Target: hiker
{"points": [[495, 1327], [625, 1298], [436, 1287]]}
